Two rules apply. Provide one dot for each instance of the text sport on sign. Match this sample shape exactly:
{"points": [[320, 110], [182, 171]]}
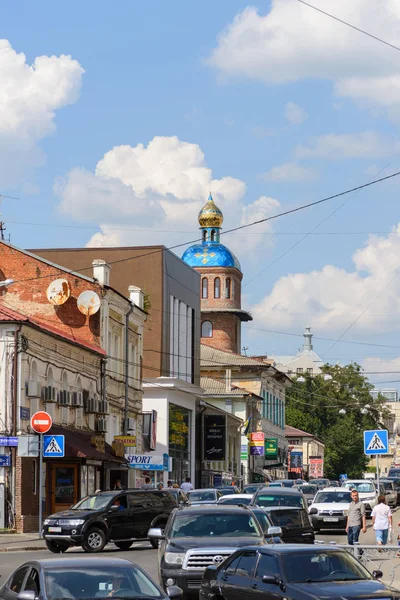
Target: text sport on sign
{"points": [[41, 422]]}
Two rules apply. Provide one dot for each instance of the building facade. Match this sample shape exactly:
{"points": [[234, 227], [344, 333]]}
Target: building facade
{"points": [[306, 454], [306, 361]]}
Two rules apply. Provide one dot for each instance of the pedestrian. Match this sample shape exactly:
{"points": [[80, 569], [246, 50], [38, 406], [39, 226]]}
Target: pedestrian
{"points": [[186, 486], [381, 521], [147, 484], [356, 520], [118, 485], [169, 483], [160, 486], [175, 486]]}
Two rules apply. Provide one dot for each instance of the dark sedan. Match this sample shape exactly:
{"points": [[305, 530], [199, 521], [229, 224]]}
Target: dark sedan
{"points": [[82, 578], [290, 571]]}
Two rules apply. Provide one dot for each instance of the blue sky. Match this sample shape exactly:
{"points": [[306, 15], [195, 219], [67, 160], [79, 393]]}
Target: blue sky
{"points": [[270, 107]]}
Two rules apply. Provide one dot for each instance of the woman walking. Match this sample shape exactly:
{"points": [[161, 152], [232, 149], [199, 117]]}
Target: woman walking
{"points": [[381, 521]]}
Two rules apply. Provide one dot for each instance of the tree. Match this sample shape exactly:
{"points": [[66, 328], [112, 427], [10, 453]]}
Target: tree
{"points": [[314, 406]]}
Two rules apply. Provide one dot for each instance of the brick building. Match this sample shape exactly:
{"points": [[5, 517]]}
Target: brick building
{"points": [[221, 280]]}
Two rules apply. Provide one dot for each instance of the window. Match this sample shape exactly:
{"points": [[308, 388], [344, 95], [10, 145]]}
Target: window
{"points": [[50, 377], [213, 235], [204, 287], [299, 371], [206, 329], [32, 583], [231, 568], [309, 370], [217, 287], [267, 565], [204, 235], [18, 580], [246, 564], [65, 382], [228, 287]]}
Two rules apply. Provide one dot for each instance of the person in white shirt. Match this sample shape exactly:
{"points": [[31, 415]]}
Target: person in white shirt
{"points": [[186, 486], [381, 521]]}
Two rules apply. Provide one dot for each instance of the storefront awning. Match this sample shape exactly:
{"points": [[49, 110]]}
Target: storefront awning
{"points": [[264, 473], [86, 444]]}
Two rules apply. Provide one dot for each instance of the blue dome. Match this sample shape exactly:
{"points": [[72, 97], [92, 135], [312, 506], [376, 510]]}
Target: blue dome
{"points": [[210, 254]]}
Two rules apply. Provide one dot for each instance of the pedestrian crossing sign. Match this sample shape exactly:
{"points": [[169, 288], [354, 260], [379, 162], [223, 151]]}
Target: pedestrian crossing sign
{"points": [[53, 446], [376, 442]]}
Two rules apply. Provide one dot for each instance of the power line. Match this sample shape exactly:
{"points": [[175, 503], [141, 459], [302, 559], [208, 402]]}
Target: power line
{"points": [[374, 37]]}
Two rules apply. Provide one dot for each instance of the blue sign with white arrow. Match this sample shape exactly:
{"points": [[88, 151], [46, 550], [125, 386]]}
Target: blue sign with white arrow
{"points": [[376, 442], [53, 446]]}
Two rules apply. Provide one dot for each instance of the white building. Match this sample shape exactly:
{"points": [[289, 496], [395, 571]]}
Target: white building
{"points": [[305, 361]]}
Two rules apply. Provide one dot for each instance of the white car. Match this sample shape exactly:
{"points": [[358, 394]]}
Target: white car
{"points": [[366, 490], [330, 508], [236, 499]]}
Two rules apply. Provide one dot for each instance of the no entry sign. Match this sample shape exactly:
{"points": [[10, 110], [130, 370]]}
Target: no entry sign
{"points": [[41, 422]]}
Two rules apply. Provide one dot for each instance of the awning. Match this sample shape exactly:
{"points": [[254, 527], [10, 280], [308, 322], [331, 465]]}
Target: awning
{"points": [[86, 444], [264, 473]]}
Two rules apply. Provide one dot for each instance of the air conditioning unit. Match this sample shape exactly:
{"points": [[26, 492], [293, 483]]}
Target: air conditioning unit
{"points": [[77, 399], [91, 405], [102, 424], [130, 424], [103, 407], [64, 398], [34, 389], [49, 394]]}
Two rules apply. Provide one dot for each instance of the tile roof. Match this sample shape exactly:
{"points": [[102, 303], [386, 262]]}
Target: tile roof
{"points": [[213, 357], [294, 432], [217, 387]]}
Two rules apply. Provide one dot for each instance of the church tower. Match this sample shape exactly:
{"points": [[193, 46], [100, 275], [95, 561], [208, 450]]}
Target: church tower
{"points": [[221, 280]]}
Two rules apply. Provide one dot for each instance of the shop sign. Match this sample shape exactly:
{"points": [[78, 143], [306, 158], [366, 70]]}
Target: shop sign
{"points": [[128, 440], [9, 441], [214, 437], [244, 451], [179, 419], [5, 460], [296, 460], [98, 442], [316, 467], [256, 449], [257, 436], [271, 448], [118, 448], [148, 462]]}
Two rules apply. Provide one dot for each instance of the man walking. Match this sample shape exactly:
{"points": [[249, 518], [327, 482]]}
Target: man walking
{"points": [[186, 485], [356, 520], [147, 484]]}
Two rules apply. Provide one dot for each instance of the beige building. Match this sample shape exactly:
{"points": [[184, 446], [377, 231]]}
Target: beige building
{"points": [[310, 448]]}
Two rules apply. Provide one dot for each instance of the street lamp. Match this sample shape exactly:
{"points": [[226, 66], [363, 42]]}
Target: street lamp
{"points": [[6, 282], [342, 411], [300, 379], [327, 377]]}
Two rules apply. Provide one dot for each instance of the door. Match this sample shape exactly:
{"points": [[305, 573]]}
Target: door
{"points": [[237, 581], [64, 486], [142, 511], [119, 519], [14, 585], [32, 583], [267, 565]]}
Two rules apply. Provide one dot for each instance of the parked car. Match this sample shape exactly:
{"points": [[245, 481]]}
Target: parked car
{"points": [[334, 483], [295, 572], [271, 497], [82, 577], [235, 499], [396, 483], [390, 492], [366, 490], [118, 516], [228, 489], [252, 488], [207, 496], [321, 483], [308, 491], [294, 522], [276, 484], [197, 536], [284, 482], [330, 509], [178, 494], [266, 525]]}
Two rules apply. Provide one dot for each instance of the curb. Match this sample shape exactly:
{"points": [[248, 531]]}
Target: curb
{"points": [[23, 549]]}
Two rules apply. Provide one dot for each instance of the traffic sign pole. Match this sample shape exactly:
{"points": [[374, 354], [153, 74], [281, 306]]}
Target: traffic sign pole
{"points": [[40, 483], [377, 473]]}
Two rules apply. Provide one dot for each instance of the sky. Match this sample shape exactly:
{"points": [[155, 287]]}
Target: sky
{"points": [[118, 119]]}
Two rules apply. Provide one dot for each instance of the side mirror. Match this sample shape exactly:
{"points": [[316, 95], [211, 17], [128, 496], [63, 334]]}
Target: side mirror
{"points": [[174, 592], [309, 501], [274, 531], [375, 574], [28, 595], [313, 511], [156, 533], [270, 579], [212, 568], [113, 508]]}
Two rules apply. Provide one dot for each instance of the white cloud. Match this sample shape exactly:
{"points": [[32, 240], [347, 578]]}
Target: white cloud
{"points": [[155, 188], [375, 365], [29, 97], [332, 297], [293, 42], [295, 114], [363, 144], [289, 172]]}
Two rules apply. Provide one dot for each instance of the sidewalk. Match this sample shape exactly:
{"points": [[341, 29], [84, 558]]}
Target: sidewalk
{"points": [[20, 542]]}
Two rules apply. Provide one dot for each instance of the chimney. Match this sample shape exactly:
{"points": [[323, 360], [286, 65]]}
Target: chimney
{"points": [[136, 296], [101, 271]]}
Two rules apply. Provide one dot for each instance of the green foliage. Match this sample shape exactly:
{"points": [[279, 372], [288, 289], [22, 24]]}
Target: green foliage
{"points": [[314, 407]]}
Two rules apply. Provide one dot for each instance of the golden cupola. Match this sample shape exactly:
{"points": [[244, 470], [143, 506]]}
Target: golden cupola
{"points": [[210, 215]]}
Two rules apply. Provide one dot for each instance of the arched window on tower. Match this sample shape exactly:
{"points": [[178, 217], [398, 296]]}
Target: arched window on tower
{"points": [[217, 287], [228, 287], [204, 235], [206, 329], [204, 287], [213, 235]]}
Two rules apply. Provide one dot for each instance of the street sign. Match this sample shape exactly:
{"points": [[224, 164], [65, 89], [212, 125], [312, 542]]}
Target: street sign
{"points": [[28, 446], [8, 441], [376, 442], [24, 413], [5, 460], [53, 446], [343, 477], [271, 448], [41, 422]]}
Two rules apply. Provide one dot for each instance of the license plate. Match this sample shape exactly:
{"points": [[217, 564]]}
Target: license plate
{"points": [[55, 529], [331, 519]]}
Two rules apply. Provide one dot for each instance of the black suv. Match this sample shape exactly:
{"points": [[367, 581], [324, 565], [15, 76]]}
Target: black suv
{"points": [[198, 536], [294, 522], [119, 517]]}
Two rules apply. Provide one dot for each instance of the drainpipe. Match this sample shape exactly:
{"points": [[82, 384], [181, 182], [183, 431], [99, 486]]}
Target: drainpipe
{"points": [[103, 379], [128, 314], [16, 402]]}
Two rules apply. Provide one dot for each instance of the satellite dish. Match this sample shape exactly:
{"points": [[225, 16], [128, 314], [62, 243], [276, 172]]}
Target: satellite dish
{"points": [[88, 303], [58, 292]]}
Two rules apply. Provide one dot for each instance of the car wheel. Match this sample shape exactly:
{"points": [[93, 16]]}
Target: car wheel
{"points": [[123, 545], [56, 547], [95, 540]]}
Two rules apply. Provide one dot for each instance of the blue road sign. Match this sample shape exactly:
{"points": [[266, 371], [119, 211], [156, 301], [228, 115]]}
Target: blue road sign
{"points": [[376, 442], [343, 477], [5, 460], [53, 446]]}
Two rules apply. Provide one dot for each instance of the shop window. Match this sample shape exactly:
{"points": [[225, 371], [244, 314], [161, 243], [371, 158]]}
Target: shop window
{"points": [[204, 287], [206, 329], [228, 287], [217, 287]]}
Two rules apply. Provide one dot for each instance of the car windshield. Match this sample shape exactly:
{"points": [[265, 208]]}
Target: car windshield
{"points": [[362, 487], [307, 567], [94, 502], [341, 497], [98, 582], [235, 500], [286, 518], [276, 484], [215, 525], [226, 491], [394, 472], [262, 519], [309, 489], [251, 489], [201, 496], [265, 499], [320, 481], [388, 485]]}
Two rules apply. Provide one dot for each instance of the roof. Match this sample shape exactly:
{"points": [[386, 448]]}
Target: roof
{"points": [[218, 508], [78, 444], [213, 357], [217, 387], [278, 491], [243, 315], [210, 254], [294, 432], [83, 561]]}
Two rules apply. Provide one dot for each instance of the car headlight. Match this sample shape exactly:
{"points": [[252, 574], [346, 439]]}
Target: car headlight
{"points": [[46, 522], [72, 522], [174, 558]]}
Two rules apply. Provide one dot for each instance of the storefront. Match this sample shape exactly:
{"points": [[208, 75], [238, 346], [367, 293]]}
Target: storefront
{"points": [[148, 466], [179, 419]]}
